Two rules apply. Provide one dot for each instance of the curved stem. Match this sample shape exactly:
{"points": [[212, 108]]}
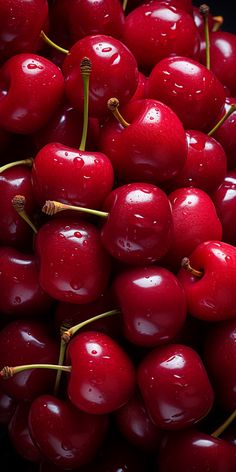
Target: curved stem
{"points": [[218, 22], [86, 68], [113, 104], [26, 162], [52, 44], [8, 372], [51, 207], [222, 120], [66, 336], [18, 203], [60, 362], [186, 265], [225, 425]]}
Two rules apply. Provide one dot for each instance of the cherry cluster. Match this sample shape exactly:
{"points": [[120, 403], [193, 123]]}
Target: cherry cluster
{"points": [[117, 236]]}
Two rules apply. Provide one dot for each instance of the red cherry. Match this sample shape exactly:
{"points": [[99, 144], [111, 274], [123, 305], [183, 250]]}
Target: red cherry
{"points": [[225, 134], [224, 199], [192, 91], [7, 407], [175, 386], [166, 31], [152, 303], [211, 293], [31, 88], [67, 437], [102, 377]]}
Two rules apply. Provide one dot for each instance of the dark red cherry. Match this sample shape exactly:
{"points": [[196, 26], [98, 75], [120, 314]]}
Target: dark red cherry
{"points": [[175, 386], [67, 437], [224, 199], [7, 407], [74, 266], [27, 342], [152, 303], [164, 32], [102, 377], [192, 91], [138, 229]]}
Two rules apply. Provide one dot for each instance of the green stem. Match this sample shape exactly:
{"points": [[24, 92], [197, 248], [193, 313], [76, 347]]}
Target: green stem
{"points": [[125, 4], [51, 207], [204, 10], [52, 44], [8, 372], [26, 162], [86, 68], [18, 203], [222, 120], [225, 425], [71, 331], [60, 362]]}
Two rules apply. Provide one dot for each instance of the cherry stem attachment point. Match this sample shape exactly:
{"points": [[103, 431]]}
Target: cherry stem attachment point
{"points": [[218, 22], [186, 265], [205, 10], [222, 120], [66, 335], [113, 104], [8, 372], [18, 203], [51, 207], [86, 68], [25, 162], [52, 44], [225, 425]]}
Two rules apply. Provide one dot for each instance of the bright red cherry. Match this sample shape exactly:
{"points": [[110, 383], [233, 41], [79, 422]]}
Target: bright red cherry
{"points": [[192, 91], [166, 31], [31, 88], [138, 228], [67, 437], [219, 358], [199, 21], [27, 342], [21, 23], [114, 73], [224, 199], [74, 266], [211, 290], [102, 377], [175, 386], [152, 303]]}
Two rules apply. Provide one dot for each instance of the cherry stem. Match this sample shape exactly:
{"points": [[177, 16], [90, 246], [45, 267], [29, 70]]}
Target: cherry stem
{"points": [[186, 265], [26, 162], [225, 425], [86, 68], [222, 120], [113, 104], [204, 10], [51, 207], [18, 203], [60, 362], [52, 44], [8, 372], [218, 22], [66, 335], [125, 4]]}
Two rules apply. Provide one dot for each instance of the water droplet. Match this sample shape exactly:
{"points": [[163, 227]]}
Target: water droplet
{"points": [[107, 49], [17, 300], [77, 234], [75, 284]]}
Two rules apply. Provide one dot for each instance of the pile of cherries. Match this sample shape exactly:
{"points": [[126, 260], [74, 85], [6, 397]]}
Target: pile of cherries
{"points": [[117, 237]]}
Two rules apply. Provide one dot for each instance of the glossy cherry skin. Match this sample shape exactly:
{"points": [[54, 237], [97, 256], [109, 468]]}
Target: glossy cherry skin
{"points": [[102, 378], [164, 32], [226, 133], [7, 407], [139, 228], [224, 199], [195, 220], [212, 296], [74, 266], [205, 166], [219, 358], [27, 342], [192, 91], [175, 386], [69, 438], [14, 231], [21, 293], [199, 21], [153, 305], [114, 73], [71, 176], [21, 23], [140, 91], [18, 430], [194, 451], [137, 428], [31, 88], [151, 149], [223, 55]]}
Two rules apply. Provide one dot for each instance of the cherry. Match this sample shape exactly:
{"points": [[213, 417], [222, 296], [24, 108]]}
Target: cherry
{"points": [[24, 342], [152, 148], [7, 407], [114, 73], [140, 91], [192, 91], [21, 293], [210, 284], [166, 31], [194, 451], [64, 435], [152, 303], [74, 266], [224, 199], [20, 24], [219, 355], [19, 434], [31, 88], [175, 386], [225, 134], [199, 21]]}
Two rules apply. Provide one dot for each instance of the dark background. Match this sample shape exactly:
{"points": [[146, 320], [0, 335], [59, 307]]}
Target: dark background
{"points": [[225, 8]]}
